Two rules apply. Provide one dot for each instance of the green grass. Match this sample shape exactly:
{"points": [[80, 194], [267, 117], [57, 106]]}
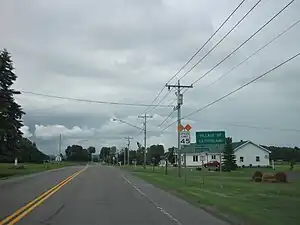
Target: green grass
{"points": [[8, 170], [232, 193]]}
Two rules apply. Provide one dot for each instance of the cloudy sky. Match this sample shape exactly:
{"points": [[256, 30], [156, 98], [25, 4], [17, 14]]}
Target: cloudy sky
{"points": [[126, 50]]}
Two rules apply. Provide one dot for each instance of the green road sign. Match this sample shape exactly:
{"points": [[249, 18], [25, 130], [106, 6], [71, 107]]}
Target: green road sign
{"points": [[210, 137]]}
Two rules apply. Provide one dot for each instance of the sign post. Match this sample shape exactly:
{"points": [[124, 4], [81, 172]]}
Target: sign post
{"points": [[185, 139]]}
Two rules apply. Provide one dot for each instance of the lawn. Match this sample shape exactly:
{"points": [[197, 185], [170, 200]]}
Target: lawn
{"points": [[232, 194], [7, 170]]}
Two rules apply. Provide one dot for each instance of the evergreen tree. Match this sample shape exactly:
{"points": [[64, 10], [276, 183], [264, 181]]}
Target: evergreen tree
{"points": [[10, 112], [229, 162]]}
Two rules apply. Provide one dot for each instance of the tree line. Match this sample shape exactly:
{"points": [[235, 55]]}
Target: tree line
{"points": [[12, 144], [79, 154], [154, 154]]}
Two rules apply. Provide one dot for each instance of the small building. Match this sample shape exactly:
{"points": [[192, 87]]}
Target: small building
{"points": [[247, 154], [251, 154]]}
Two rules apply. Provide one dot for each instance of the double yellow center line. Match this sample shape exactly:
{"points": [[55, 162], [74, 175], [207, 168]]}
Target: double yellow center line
{"points": [[23, 211]]}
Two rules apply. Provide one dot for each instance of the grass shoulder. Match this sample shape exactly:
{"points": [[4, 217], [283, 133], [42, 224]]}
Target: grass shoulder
{"points": [[231, 195], [8, 170]]}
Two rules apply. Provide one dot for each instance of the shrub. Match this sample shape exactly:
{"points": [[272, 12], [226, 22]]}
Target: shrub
{"points": [[281, 177], [199, 168], [257, 179], [257, 176]]}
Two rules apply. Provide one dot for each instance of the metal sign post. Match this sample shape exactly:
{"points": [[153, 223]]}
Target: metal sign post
{"points": [[185, 139]]}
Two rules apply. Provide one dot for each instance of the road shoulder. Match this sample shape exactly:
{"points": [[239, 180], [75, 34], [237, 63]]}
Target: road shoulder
{"points": [[180, 209]]}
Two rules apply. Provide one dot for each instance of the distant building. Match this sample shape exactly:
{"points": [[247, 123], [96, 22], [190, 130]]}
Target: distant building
{"points": [[247, 154], [58, 158]]}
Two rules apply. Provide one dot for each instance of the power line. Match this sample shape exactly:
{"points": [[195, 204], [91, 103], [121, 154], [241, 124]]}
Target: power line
{"points": [[92, 101], [197, 52], [252, 126], [216, 45], [219, 42], [244, 42], [158, 104], [264, 46], [166, 118], [254, 53], [236, 90]]}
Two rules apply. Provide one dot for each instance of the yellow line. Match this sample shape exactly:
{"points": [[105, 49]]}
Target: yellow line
{"points": [[28, 210], [58, 186]]}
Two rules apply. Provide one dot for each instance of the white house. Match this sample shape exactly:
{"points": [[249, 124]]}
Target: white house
{"points": [[247, 154], [251, 154]]}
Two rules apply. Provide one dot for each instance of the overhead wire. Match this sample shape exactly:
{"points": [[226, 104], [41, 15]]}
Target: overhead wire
{"points": [[92, 101], [220, 41], [252, 126], [254, 53], [196, 53], [236, 90], [166, 118], [244, 42]]}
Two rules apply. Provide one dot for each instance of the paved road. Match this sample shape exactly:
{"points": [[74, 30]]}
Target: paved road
{"points": [[98, 195]]}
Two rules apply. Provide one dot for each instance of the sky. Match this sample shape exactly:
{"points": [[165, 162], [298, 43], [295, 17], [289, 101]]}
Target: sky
{"points": [[126, 51]]}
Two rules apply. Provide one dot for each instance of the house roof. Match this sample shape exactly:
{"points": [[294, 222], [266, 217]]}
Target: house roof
{"points": [[250, 142]]}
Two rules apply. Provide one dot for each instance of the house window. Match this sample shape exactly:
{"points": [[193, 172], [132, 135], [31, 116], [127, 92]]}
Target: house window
{"points": [[266, 156], [202, 157], [213, 157], [195, 158], [241, 159], [257, 159]]}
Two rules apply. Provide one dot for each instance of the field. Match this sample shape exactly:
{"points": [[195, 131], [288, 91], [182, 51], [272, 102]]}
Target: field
{"points": [[233, 194], [8, 170]]}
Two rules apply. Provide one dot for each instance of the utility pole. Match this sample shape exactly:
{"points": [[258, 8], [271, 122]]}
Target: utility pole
{"points": [[145, 135], [59, 149], [178, 108], [128, 145]]}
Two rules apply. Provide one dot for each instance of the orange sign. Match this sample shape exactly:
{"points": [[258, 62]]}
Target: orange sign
{"points": [[180, 128], [188, 127]]}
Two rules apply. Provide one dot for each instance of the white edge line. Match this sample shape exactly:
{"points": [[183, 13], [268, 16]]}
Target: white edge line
{"points": [[153, 202]]}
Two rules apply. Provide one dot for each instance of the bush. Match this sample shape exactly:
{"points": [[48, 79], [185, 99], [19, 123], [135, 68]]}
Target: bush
{"points": [[257, 176], [199, 168], [257, 179], [281, 177]]}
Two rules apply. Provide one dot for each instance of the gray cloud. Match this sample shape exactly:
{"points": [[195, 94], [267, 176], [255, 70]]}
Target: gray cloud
{"points": [[125, 51]]}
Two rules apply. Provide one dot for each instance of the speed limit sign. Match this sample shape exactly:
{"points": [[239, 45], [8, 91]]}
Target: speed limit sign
{"points": [[185, 138]]}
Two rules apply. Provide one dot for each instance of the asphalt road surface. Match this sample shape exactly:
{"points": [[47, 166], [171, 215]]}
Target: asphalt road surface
{"points": [[94, 195]]}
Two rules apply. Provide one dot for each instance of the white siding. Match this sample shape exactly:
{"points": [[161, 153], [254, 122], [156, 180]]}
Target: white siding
{"points": [[249, 152], [202, 158]]}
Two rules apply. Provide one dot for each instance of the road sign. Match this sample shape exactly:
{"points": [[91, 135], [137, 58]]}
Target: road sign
{"points": [[210, 137], [180, 128], [185, 138], [188, 127]]}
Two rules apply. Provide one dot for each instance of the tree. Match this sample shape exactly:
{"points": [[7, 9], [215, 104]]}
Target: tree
{"points": [[154, 153], [171, 156], [91, 149], [229, 162], [105, 154], [11, 113], [30, 153], [77, 153]]}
